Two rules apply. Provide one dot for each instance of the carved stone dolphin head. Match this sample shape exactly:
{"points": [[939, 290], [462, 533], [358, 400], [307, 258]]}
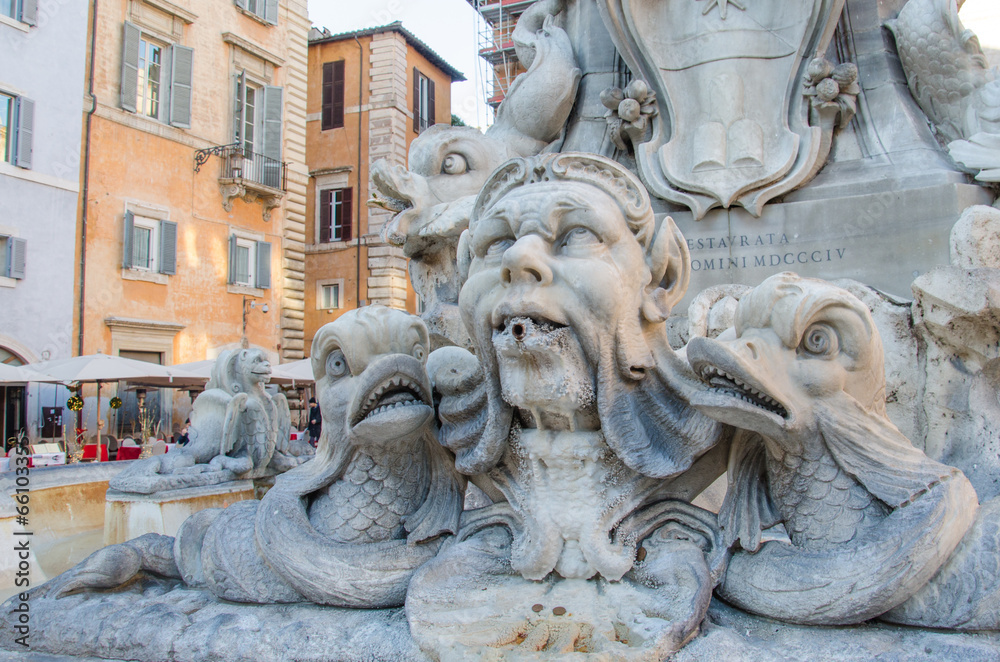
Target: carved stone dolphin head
{"points": [[371, 379], [796, 342]]}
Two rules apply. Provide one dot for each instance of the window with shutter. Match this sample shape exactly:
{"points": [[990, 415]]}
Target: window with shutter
{"points": [[270, 11], [263, 255], [416, 100], [345, 214], [430, 102], [423, 101], [8, 126], [271, 136], [25, 132], [17, 250], [127, 232], [239, 106], [232, 260], [29, 11], [181, 76], [130, 67], [335, 207], [168, 248], [326, 201], [332, 115]]}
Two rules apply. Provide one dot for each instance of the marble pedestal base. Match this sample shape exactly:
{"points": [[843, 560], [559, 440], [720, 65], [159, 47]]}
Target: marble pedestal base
{"points": [[154, 620], [128, 515]]}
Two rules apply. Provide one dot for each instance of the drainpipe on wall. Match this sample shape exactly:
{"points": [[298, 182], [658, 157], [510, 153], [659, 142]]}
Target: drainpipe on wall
{"points": [[86, 178], [357, 203]]}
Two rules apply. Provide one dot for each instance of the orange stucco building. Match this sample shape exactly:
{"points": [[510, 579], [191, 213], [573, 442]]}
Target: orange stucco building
{"points": [[371, 92], [179, 232]]}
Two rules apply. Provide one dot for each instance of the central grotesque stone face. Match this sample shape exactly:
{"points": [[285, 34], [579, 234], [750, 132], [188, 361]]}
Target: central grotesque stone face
{"points": [[575, 424], [551, 268]]}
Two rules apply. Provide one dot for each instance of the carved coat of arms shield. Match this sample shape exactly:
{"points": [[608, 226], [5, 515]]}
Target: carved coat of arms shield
{"points": [[733, 126]]}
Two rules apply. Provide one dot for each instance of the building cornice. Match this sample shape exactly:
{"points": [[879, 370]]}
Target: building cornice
{"points": [[253, 49], [172, 9], [145, 325]]}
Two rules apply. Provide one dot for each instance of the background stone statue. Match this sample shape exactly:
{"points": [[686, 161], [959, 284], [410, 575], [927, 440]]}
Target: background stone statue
{"points": [[237, 431], [347, 528]]}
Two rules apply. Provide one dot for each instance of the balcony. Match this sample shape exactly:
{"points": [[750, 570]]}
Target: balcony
{"points": [[247, 175]]}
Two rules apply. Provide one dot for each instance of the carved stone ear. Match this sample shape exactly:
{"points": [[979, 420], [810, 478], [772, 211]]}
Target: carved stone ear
{"points": [[464, 256], [670, 266]]}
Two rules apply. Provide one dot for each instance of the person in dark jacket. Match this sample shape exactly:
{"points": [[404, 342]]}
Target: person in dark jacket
{"points": [[315, 422]]}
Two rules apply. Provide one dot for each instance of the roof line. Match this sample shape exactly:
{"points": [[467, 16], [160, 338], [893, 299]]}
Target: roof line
{"points": [[397, 26]]}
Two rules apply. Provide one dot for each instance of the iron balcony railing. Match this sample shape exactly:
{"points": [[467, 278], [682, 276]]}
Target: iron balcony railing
{"points": [[239, 163]]}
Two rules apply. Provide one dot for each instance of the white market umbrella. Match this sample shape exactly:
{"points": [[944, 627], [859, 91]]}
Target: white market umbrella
{"points": [[296, 372], [22, 374], [107, 368]]}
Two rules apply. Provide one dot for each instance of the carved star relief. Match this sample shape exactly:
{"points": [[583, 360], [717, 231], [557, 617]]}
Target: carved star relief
{"points": [[723, 6]]}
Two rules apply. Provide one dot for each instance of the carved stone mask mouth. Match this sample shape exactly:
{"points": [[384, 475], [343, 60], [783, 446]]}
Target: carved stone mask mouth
{"points": [[523, 328], [727, 384]]}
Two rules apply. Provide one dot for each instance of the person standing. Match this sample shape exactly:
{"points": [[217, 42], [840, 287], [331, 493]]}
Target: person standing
{"points": [[315, 422]]}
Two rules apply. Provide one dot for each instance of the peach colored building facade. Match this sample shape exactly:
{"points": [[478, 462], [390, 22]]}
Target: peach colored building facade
{"points": [[178, 232], [365, 88]]}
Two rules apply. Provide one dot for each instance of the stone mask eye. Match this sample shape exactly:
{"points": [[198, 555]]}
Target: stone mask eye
{"points": [[336, 364], [498, 246], [820, 340], [419, 353], [454, 164], [578, 237]]}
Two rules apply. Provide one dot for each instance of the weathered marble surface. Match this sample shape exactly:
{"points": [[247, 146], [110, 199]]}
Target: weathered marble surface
{"points": [[160, 621]]}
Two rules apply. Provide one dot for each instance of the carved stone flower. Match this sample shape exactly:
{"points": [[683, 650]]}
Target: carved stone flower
{"points": [[629, 111], [833, 90]]}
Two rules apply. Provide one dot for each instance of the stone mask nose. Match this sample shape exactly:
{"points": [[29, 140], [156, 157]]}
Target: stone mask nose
{"points": [[526, 262]]}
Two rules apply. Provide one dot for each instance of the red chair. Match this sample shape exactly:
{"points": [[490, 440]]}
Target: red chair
{"points": [[90, 453], [129, 452]]}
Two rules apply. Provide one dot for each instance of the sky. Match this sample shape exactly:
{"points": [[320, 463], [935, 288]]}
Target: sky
{"points": [[449, 27]]}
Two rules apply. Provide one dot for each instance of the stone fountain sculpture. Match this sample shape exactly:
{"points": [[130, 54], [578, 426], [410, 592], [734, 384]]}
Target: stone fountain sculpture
{"points": [[448, 165], [350, 527], [590, 436], [238, 431]]}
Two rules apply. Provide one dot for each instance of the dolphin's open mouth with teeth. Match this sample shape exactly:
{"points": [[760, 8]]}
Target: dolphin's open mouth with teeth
{"points": [[726, 383], [392, 394]]}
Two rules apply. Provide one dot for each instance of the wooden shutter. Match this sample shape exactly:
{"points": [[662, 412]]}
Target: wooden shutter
{"points": [[430, 102], [29, 12], [263, 264], [346, 209], [130, 67], [270, 11], [181, 75], [338, 94], [325, 216], [127, 233], [25, 132], [242, 4], [333, 95], [272, 122], [326, 113], [17, 249], [232, 259], [238, 108], [168, 247], [416, 100]]}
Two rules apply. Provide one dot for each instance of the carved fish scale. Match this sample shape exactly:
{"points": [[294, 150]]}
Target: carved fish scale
{"points": [[375, 494], [820, 504]]}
